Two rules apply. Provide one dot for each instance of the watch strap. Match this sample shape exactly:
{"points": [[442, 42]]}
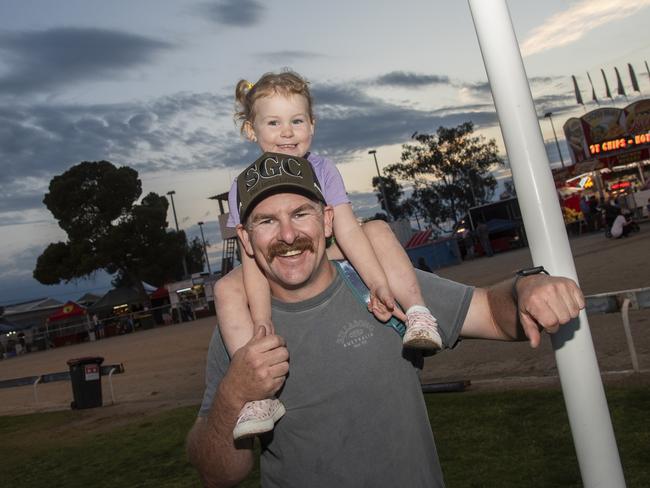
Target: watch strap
{"points": [[520, 274]]}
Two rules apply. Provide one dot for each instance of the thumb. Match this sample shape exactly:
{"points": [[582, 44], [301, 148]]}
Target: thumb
{"points": [[384, 295], [399, 314], [260, 332], [530, 329]]}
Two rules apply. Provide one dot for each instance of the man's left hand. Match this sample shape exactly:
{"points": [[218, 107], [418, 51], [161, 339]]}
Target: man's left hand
{"points": [[545, 303]]}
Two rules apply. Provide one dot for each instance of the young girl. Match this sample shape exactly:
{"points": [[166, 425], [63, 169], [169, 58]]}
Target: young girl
{"points": [[276, 113]]}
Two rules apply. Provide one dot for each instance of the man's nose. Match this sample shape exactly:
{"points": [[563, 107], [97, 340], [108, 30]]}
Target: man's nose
{"points": [[288, 233]]}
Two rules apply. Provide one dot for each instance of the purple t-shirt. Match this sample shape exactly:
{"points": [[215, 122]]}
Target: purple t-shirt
{"points": [[328, 175]]}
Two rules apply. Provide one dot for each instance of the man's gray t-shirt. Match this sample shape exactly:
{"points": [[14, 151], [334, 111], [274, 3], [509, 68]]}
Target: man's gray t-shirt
{"points": [[355, 412]]}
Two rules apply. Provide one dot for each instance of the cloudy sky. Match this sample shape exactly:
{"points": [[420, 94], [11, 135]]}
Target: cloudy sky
{"points": [[150, 83]]}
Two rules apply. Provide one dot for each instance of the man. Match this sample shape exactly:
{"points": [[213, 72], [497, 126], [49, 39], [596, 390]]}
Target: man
{"points": [[622, 225], [484, 238], [355, 415]]}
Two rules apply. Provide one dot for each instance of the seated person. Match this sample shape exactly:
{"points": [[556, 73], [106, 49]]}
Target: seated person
{"points": [[622, 225]]}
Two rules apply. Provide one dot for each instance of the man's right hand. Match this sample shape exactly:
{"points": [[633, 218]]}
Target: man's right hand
{"points": [[259, 368]]}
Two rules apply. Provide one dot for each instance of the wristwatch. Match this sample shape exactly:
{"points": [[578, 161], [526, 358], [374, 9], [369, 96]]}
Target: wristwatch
{"points": [[522, 273]]}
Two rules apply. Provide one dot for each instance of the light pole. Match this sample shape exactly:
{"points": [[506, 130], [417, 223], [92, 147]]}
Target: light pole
{"points": [[549, 115], [171, 197], [205, 249], [381, 184]]}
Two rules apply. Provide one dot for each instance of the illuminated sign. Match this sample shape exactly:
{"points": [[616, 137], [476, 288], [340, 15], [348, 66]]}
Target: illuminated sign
{"points": [[622, 184], [608, 136], [586, 182], [620, 143]]}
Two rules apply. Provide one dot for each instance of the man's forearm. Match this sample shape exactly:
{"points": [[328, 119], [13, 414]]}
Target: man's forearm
{"points": [[211, 448], [504, 310], [544, 303]]}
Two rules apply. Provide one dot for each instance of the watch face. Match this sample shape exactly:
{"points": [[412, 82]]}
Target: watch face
{"points": [[531, 271]]}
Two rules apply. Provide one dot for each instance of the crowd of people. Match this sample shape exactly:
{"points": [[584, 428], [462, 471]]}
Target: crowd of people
{"points": [[611, 217]]}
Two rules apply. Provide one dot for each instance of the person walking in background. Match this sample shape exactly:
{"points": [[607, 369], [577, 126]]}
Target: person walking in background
{"points": [[468, 240], [99, 327], [586, 212], [594, 211], [611, 210], [484, 238]]}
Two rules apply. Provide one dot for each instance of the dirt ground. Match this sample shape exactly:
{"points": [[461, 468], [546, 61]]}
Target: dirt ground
{"points": [[165, 366]]}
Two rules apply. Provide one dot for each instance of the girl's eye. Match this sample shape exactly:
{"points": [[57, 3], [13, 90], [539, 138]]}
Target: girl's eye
{"points": [[298, 121], [273, 123]]}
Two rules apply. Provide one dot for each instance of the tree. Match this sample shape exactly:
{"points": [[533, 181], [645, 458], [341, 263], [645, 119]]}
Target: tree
{"points": [[94, 203], [450, 171], [393, 191], [195, 256]]}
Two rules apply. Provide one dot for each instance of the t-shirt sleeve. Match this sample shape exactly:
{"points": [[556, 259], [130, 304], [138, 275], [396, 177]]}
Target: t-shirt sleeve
{"points": [[233, 209], [215, 369], [448, 301], [331, 182]]}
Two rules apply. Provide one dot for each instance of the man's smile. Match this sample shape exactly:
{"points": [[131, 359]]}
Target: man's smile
{"points": [[290, 251]]}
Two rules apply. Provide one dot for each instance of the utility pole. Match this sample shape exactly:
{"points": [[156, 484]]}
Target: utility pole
{"points": [[171, 197], [205, 249], [381, 185]]}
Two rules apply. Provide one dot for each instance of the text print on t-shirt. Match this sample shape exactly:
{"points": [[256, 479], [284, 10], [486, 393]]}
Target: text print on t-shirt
{"points": [[355, 334]]}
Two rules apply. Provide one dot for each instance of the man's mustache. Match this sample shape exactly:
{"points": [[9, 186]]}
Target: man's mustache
{"points": [[300, 244]]}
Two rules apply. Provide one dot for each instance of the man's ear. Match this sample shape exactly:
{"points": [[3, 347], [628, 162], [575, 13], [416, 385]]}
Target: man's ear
{"points": [[249, 131], [244, 239], [328, 221]]}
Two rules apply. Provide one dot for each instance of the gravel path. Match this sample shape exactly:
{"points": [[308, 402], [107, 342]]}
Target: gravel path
{"points": [[164, 366]]}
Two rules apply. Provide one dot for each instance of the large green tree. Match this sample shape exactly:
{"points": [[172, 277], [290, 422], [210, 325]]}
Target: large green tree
{"points": [[450, 171], [95, 204]]}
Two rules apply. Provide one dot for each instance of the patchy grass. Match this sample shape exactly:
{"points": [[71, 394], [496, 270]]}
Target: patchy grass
{"points": [[506, 439], [522, 438]]}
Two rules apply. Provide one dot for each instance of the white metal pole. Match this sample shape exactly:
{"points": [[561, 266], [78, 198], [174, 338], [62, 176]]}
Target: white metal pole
{"points": [[593, 435]]}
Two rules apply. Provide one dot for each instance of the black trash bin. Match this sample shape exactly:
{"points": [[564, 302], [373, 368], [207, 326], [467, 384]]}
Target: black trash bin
{"points": [[86, 379]]}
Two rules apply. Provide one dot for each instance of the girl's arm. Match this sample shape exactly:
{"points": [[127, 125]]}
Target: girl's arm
{"points": [[235, 311], [233, 316], [258, 292], [357, 248]]}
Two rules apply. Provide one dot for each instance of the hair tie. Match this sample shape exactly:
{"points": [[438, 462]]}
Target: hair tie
{"points": [[249, 85]]}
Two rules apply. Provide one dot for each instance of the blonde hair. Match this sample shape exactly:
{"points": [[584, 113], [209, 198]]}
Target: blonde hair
{"points": [[285, 83]]}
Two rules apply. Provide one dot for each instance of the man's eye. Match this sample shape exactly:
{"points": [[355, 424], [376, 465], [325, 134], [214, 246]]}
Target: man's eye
{"points": [[265, 222]]}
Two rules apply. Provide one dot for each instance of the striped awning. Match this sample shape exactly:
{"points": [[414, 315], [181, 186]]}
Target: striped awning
{"points": [[420, 239]]}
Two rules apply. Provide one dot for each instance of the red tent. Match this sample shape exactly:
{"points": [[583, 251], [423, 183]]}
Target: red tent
{"points": [[159, 293], [70, 309]]}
